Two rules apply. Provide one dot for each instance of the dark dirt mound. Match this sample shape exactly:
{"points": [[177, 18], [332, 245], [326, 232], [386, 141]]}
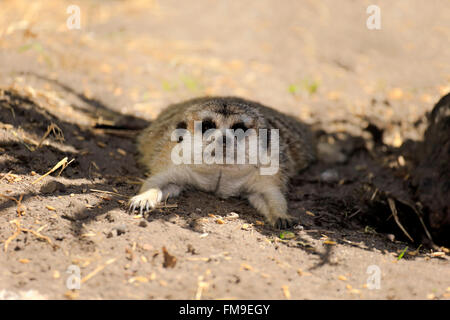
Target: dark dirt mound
{"points": [[432, 174]]}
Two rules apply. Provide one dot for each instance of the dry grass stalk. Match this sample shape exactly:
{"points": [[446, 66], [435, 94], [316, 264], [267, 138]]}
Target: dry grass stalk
{"points": [[63, 163], [397, 220], [52, 128], [97, 270]]}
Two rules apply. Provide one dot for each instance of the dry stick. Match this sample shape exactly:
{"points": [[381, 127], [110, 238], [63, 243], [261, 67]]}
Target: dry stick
{"points": [[65, 166], [43, 137], [8, 197], [109, 192], [162, 206], [97, 270], [11, 198], [4, 177], [19, 204], [374, 194], [424, 226], [19, 228], [420, 219], [25, 143], [56, 131], [354, 214], [40, 236], [397, 220], [59, 164], [18, 231], [201, 286]]}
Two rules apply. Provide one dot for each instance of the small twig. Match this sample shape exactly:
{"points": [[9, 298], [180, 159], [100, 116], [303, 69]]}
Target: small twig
{"points": [[374, 194], [25, 140], [109, 192], [161, 206], [59, 164], [65, 166], [57, 132], [397, 220], [18, 231], [19, 202], [19, 205], [419, 215], [355, 213], [97, 270], [5, 175], [8, 197], [38, 235], [201, 286]]}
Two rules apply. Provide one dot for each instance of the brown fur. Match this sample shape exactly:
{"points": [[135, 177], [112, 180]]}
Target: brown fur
{"points": [[265, 193]]}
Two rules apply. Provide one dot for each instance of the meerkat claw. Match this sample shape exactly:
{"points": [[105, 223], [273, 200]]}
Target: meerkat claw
{"points": [[137, 205], [283, 223], [145, 201]]}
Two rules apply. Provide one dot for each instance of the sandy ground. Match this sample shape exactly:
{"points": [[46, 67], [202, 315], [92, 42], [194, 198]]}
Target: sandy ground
{"points": [[130, 59]]}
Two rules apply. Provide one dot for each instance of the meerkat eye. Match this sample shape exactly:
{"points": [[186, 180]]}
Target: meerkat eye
{"points": [[208, 124], [182, 125], [239, 125]]}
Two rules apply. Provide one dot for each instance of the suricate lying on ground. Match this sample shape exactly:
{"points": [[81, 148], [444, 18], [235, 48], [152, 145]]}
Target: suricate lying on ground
{"points": [[265, 191]]}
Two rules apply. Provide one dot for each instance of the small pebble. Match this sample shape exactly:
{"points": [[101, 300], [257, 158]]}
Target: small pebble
{"points": [[110, 217], [52, 186], [232, 215], [330, 175], [111, 234], [121, 229], [143, 224], [191, 249]]}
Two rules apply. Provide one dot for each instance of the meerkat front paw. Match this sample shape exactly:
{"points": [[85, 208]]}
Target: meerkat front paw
{"points": [[146, 200], [280, 220], [283, 223], [273, 211]]}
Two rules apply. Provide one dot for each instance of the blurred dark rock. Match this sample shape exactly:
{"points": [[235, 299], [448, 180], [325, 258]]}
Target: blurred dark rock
{"points": [[432, 173]]}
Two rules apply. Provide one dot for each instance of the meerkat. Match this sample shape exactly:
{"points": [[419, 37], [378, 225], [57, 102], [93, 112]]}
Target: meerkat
{"points": [[265, 192]]}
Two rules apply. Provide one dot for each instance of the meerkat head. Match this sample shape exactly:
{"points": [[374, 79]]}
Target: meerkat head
{"points": [[223, 131]]}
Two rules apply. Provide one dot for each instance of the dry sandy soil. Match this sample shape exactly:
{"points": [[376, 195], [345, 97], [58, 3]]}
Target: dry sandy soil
{"points": [[366, 93]]}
